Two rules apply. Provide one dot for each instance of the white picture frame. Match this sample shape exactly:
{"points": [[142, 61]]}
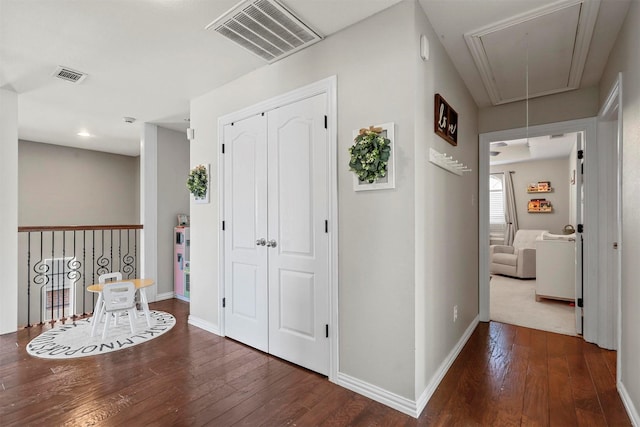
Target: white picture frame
{"points": [[389, 181], [205, 199]]}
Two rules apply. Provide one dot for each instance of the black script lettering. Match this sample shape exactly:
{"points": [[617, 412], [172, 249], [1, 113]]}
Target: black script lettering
{"points": [[90, 348], [122, 344], [109, 346], [47, 348], [59, 350], [72, 352], [442, 121]]}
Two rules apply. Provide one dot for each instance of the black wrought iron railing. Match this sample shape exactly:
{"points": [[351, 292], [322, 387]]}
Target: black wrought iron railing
{"points": [[58, 263]]}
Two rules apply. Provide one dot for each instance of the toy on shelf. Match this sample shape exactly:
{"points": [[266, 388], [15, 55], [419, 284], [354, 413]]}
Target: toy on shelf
{"points": [[539, 205], [540, 187]]}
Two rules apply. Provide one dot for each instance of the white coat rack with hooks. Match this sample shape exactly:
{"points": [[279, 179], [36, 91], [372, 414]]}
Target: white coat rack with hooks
{"points": [[447, 163]]}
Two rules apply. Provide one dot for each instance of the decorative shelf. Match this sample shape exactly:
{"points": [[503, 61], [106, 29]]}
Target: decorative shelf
{"points": [[539, 206], [540, 187], [447, 162]]}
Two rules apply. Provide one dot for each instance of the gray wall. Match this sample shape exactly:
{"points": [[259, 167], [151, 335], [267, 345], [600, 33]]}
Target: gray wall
{"points": [[70, 186], [446, 219], [624, 58], [389, 297], [376, 268], [173, 198], [572, 105], [554, 170]]}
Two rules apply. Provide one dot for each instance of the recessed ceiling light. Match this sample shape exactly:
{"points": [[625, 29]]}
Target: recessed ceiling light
{"points": [[84, 133], [129, 119]]}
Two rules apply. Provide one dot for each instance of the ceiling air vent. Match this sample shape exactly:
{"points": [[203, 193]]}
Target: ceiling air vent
{"points": [[266, 28], [69, 75]]}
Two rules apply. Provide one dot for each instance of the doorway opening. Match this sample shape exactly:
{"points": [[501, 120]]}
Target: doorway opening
{"points": [[533, 213], [598, 312]]}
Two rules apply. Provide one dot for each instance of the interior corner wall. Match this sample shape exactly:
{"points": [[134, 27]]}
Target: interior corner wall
{"points": [[554, 170], [559, 107], [173, 198], [71, 186], [374, 64], [446, 215], [625, 58], [9, 210]]}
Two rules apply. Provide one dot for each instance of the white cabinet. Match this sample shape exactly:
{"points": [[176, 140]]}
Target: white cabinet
{"points": [[555, 269]]}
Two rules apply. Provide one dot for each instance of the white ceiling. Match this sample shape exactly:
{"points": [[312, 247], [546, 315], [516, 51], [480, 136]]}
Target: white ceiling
{"points": [[147, 58], [144, 59], [544, 34], [532, 149]]}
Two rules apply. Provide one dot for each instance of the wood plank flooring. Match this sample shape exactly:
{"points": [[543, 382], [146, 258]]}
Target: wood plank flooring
{"points": [[505, 376]]}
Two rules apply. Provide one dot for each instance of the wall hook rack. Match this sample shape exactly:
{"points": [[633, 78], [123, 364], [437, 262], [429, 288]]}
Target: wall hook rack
{"points": [[447, 162]]}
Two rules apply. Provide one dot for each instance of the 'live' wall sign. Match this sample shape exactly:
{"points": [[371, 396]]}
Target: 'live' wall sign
{"points": [[446, 121]]}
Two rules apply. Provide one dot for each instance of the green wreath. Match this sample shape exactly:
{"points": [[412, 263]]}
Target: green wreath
{"points": [[370, 155], [197, 182]]}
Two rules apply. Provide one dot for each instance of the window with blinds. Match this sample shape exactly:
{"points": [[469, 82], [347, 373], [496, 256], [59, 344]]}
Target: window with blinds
{"points": [[496, 200]]}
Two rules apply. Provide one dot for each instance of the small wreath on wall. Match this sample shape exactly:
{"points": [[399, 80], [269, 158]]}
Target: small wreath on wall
{"points": [[370, 154], [198, 183]]}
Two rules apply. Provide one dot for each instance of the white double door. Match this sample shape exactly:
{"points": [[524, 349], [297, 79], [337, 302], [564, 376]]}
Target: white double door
{"points": [[276, 241]]}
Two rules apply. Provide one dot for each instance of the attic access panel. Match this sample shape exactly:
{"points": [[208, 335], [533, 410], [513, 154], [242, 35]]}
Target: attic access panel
{"points": [[554, 42], [266, 28]]}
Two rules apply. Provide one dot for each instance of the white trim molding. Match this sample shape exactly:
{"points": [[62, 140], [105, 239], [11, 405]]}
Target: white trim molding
{"points": [[203, 324], [400, 403], [632, 411], [395, 401], [165, 296], [422, 401]]}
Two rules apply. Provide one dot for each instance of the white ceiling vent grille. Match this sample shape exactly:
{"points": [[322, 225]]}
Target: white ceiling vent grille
{"points": [[266, 28], [66, 73]]}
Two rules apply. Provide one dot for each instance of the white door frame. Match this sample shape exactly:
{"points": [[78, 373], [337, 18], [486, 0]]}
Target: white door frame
{"points": [[611, 107], [588, 126], [326, 86]]}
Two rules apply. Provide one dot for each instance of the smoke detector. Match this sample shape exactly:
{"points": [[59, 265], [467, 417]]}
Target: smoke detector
{"points": [[266, 28], [68, 74], [129, 119]]}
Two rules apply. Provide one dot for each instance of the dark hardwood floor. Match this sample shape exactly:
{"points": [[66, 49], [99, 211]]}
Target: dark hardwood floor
{"points": [[505, 376]]}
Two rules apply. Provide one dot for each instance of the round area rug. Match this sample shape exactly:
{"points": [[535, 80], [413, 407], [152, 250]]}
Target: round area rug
{"points": [[75, 340]]}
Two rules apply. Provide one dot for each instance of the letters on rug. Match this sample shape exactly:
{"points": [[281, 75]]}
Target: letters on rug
{"points": [[74, 339]]}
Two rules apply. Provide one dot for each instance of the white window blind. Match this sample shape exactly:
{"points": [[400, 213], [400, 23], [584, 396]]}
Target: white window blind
{"points": [[496, 200]]}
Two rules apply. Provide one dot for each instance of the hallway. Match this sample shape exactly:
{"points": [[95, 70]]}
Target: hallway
{"points": [[505, 375]]}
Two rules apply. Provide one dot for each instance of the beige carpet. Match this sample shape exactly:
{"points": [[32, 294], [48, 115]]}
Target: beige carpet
{"points": [[514, 301]]}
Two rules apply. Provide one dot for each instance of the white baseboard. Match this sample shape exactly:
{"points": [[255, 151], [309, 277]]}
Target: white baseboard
{"points": [[403, 404], [165, 296], [203, 324], [444, 367], [395, 401], [632, 411]]}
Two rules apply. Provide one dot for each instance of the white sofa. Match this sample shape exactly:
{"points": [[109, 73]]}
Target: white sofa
{"points": [[518, 260]]}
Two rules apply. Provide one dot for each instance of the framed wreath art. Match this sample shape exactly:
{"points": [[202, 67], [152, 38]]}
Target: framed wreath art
{"points": [[371, 158], [198, 183]]}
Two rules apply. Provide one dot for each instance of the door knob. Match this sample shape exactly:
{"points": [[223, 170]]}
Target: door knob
{"points": [[261, 242], [271, 244]]}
